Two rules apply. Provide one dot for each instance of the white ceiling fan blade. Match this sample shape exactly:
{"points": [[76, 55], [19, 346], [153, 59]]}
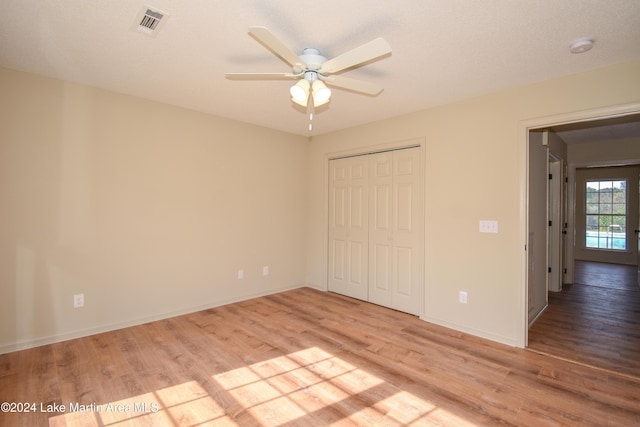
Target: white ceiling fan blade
{"points": [[367, 52], [264, 36], [260, 76], [353, 84]]}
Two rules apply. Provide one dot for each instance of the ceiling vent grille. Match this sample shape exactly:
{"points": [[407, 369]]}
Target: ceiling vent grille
{"points": [[150, 20]]}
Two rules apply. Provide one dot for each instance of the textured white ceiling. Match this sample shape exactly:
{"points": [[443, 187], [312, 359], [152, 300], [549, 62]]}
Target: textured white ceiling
{"points": [[443, 50], [603, 130]]}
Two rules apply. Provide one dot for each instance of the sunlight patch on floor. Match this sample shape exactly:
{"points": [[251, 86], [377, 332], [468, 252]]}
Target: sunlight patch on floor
{"points": [[281, 390]]}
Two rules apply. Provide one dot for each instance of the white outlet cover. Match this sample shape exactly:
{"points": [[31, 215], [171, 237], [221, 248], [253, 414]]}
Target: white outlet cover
{"points": [[240, 274], [463, 297], [78, 300]]}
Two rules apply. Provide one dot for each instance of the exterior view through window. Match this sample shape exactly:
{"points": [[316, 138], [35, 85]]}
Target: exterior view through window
{"points": [[606, 210]]}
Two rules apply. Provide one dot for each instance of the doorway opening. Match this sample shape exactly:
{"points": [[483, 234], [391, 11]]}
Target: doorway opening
{"points": [[601, 140], [593, 321]]}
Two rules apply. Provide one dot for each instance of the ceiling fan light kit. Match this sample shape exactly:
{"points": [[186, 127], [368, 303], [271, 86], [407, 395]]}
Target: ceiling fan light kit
{"points": [[321, 93], [300, 103], [300, 91], [314, 70]]}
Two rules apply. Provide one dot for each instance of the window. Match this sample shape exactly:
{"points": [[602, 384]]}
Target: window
{"points": [[606, 210]]}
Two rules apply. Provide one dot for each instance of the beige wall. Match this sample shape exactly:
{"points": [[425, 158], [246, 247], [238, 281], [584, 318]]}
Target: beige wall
{"points": [[605, 152], [557, 146], [147, 209], [475, 168], [150, 210]]}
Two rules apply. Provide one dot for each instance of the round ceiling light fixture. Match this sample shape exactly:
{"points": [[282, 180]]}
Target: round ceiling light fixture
{"points": [[581, 45]]}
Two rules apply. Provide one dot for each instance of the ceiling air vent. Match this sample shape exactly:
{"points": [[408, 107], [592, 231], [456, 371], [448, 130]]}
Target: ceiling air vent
{"points": [[150, 20]]}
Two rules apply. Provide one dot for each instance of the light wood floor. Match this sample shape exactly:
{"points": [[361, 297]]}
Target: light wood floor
{"points": [[595, 321], [307, 358]]}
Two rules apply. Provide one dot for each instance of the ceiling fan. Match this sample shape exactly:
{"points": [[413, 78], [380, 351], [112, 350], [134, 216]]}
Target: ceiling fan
{"points": [[314, 70]]}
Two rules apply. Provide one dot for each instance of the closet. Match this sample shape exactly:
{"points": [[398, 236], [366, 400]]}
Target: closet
{"points": [[376, 223]]}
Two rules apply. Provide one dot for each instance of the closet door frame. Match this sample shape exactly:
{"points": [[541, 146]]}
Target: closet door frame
{"points": [[398, 145]]}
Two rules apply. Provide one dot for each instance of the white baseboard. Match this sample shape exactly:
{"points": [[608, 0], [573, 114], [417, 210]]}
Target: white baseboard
{"points": [[537, 316], [472, 331], [40, 341]]}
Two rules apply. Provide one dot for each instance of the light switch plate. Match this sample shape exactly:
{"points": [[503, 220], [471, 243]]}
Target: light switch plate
{"points": [[488, 226]]}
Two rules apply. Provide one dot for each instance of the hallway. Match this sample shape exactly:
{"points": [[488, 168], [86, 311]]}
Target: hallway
{"points": [[595, 321]]}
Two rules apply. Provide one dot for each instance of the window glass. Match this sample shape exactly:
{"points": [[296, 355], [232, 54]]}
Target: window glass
{"points": [[606, 214]]}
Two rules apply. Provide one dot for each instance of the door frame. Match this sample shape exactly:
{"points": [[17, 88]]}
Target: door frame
{"points": [[524, 128]]}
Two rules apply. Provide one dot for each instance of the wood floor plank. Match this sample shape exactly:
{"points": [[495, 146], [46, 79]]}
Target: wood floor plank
{"points": [[309, 358], [595, 321]]}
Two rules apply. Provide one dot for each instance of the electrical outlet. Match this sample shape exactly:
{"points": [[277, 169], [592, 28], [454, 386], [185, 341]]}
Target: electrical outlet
{"points": [[265, 270], [78, 300], [462, 297], [240, 274]]}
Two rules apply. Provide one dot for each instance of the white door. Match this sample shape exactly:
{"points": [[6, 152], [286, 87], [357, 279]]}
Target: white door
{"points": [[537, 224], [394, 239], [348, 226], [408, 236], [555, 195]]}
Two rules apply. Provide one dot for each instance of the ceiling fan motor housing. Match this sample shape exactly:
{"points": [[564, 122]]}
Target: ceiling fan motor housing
{"points": [[312, 58]]}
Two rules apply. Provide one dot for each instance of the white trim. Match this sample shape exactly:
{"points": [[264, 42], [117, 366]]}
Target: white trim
{"points": [[523, 232], [80, 333], [472, 331], [523, 159], [582, 116], [538, 315], [395, 145]]}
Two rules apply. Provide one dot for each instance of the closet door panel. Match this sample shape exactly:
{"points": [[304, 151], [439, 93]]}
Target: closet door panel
{"points": [[408, 236], [380, 230], [404, 267], [348, 227], [338, 268], [339, 180]]}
